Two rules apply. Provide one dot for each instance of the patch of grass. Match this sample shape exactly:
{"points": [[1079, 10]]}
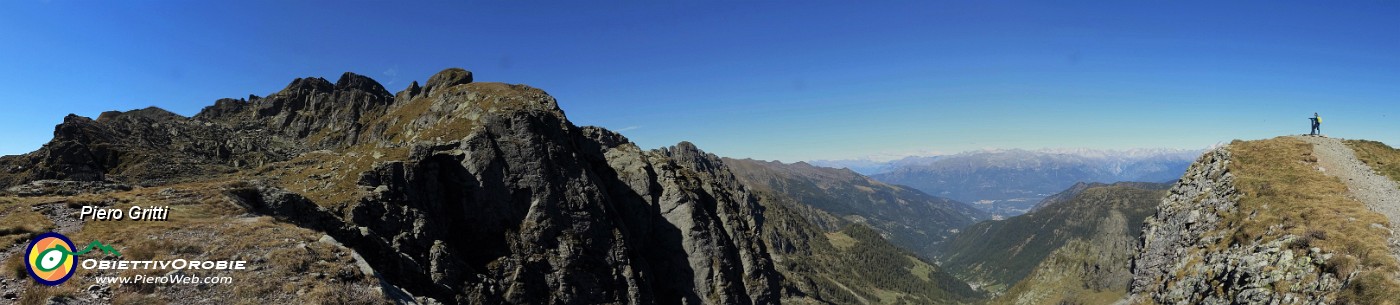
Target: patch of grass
{"points": [[1380, 157], [1284, 195], [329, 178], [397, 118], [1371, 288], [345, 294], [424, 111], [19, 221], [840, 240], [38, 294], [14, 267], [921, 269]]}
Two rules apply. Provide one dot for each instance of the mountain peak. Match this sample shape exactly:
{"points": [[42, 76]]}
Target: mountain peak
{"points": [[309, 83], [350, 80], [447, 78], [412, 90], [155, 113]]}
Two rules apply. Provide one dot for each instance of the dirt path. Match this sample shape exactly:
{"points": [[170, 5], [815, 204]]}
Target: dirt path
{"points": [[1378, 192]]}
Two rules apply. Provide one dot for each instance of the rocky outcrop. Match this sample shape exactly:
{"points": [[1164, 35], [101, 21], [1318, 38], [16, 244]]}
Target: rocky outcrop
{"points": [[511, 215], [311, 110], [147, 146], [1189, 256], [446, 79]]}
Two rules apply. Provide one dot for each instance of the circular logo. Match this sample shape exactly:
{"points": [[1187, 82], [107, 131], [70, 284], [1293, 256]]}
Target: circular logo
{"points": [[49, 258]]}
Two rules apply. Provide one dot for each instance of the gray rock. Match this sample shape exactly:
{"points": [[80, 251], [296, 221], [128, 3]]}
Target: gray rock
{"points": [[446, 79], [1178, 266]]}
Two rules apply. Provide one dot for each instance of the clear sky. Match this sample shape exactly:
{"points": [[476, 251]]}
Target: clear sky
{"points": [[781, 80]]}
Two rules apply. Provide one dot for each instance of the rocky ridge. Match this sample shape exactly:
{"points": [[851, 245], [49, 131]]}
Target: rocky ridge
{"points": [[1218, 240], [460, 192]]}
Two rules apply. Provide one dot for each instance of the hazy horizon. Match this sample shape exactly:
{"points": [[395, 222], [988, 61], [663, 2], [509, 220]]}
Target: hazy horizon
{"points": [[755, 80]]}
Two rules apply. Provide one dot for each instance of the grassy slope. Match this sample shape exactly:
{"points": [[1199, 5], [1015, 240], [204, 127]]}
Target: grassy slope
{"points": [[1000, 253], [1284, 194]]}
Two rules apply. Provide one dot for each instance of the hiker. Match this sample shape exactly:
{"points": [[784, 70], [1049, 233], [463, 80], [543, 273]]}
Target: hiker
{"points": [[1316, 123]]}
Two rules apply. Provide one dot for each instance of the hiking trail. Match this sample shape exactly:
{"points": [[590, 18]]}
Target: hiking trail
{"points": [[1379, 193]]}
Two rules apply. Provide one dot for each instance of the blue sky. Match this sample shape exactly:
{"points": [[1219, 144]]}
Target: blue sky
{"points": [[769, 80]]}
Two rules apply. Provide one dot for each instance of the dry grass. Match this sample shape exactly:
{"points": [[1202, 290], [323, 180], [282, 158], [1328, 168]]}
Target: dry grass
{"points": [[19, 222], [1380, 157], [1285, 195], [344, 294], [447, 126], [329, 179], [14, 267], [399, 117], [38, 294]]}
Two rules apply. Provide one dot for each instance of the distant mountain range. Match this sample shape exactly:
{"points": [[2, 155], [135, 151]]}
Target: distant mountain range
{"points": [[1010, 182]]}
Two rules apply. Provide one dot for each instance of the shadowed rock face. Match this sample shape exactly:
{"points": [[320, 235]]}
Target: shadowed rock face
{"points": [[498, 198]]}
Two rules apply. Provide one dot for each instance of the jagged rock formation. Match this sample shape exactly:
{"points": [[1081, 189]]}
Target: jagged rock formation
{"points": [[147, 146], [910, 218], [462, 192], [1194, 209]]}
